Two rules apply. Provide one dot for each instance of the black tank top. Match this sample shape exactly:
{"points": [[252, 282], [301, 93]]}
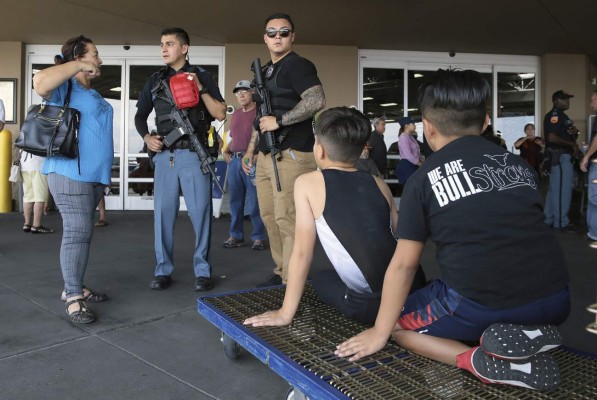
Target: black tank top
{"points": [[358, 214]]}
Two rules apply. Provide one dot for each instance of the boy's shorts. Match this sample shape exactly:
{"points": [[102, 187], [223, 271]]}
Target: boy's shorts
{"points": [[438, 310], [35, 187]]}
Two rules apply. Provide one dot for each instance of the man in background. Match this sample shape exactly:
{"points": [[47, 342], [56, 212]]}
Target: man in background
{"points": [[560, 142], [377, 146], [239, 184], [2, 115], [589, 163]]}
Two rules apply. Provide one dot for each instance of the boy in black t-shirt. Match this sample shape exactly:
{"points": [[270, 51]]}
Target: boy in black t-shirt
{"points": [[502, 268]]}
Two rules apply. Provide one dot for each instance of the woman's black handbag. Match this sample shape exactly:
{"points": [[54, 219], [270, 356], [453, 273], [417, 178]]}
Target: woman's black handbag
{"points": [[51, 130]]}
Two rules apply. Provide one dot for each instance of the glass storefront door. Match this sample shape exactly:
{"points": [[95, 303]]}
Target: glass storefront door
{"points": [[137, 171]]}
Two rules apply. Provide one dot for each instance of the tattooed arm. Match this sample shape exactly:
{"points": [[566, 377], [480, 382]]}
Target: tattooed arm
{"points": [[312, 100]]}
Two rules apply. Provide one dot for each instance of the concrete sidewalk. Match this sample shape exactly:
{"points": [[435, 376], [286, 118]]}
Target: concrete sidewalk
{"points": [[150, 344]]}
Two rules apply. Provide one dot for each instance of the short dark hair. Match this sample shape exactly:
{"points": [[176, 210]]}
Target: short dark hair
{"points": [[455, 101], [344, 132], [72, 48], [180, 34], [527, 126], [280, 16]]}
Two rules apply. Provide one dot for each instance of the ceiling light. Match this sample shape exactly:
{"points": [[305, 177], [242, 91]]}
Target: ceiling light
{"points": [[526, 75], [418, 75], [388, 104], [116, 89], [367, 98], [412, 109], [390, 120]]}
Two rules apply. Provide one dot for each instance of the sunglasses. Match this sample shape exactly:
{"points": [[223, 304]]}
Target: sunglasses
{"points": [[272, 32]]}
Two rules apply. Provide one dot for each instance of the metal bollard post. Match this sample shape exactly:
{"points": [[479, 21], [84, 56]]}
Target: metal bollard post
{"points": [[5, 163]]}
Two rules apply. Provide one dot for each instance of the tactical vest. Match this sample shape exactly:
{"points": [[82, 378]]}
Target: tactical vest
{"points": [[199, 116], [282, 99], [298, 136]]}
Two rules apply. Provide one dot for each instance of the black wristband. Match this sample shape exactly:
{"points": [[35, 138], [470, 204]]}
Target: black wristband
{"points": [[203, 90], [279, 121]]}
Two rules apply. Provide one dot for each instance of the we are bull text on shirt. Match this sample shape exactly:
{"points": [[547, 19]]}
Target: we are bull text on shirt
{"points": [[480, 205]]}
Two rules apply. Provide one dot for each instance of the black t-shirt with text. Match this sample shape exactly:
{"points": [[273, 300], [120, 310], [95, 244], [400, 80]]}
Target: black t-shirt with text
{"points": [[481, 207]]}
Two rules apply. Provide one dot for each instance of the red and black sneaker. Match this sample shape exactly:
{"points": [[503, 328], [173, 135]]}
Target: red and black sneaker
{"points": [[539, 372], [517, 342]]}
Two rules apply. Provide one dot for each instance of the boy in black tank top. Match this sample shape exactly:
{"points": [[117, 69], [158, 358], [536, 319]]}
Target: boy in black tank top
{"points": [[353, 213]]}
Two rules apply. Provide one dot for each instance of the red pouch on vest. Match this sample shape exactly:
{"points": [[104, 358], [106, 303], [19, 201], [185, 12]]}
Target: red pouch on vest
{"points": [[184, 90]]}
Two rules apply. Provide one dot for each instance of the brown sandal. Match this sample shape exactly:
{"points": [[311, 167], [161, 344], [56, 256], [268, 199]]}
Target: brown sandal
{"points": [[41, 229], [101, 223], [83, 315], [91, 296]]}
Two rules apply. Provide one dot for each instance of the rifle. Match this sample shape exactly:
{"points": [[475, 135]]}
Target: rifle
{"points": [[186, 128], [262, 98]]}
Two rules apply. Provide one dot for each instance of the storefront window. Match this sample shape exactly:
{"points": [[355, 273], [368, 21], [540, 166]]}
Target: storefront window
{"points": [[383, 93], [516, 105]]}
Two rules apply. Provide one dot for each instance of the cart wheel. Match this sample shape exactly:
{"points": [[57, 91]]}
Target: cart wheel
{"points": [[295, 394], [231, 348]]}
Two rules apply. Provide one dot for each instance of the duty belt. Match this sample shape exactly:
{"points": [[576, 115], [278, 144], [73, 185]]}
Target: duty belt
{"points": [[182, 144]]}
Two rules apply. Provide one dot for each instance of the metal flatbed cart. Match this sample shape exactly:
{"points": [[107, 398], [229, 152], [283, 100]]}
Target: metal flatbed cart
{"points": [[303, 354]]}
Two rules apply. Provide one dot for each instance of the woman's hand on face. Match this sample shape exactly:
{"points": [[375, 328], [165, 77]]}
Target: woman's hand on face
{"points": [[89, 67]]}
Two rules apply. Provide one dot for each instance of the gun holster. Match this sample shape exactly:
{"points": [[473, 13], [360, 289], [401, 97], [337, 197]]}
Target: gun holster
{"points": [[174, 136]]}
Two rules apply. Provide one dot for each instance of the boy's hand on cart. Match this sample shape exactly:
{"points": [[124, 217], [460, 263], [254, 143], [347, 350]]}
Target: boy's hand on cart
{"points": [[361, 345], [270, 318]]}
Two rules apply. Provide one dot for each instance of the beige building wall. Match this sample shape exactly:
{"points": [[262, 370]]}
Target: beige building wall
{"points": [[337, 67], [571, 73], [11, 66]]}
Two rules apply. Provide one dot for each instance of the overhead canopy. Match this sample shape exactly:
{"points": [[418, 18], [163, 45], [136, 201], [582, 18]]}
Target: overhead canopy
{"points": [[532, 27]]}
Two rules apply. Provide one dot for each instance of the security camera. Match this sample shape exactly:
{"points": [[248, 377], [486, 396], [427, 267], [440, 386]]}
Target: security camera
{"points": [[229, 110], [452, 53], [126, 47]]}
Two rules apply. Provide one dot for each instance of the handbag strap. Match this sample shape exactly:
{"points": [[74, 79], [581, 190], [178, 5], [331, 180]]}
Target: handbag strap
{"points": [[66, 99], [68, 92]]}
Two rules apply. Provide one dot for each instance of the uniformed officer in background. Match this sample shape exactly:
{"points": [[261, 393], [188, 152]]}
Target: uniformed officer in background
{"points": [[560, 139], [178, 167]]}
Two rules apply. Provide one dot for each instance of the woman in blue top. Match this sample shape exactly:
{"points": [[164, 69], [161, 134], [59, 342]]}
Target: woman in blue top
{"points": [[77, 191]]}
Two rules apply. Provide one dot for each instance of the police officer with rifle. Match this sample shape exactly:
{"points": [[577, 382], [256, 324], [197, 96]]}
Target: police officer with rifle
{"points": [[183, 155]]}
